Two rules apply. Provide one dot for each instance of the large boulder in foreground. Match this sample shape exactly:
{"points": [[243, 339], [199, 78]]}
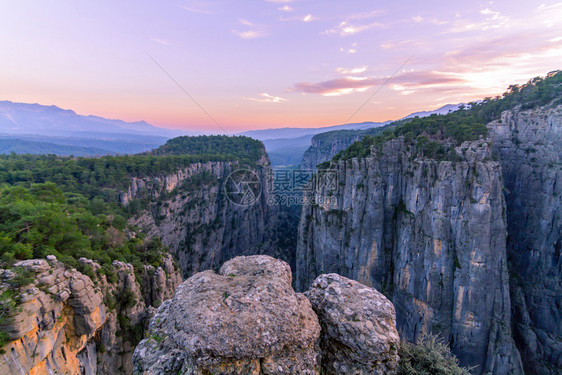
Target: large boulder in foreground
{"points": [[359, 333], [245, 320]]}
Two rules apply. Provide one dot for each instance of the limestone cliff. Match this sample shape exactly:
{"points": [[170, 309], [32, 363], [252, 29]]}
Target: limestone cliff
{"points": [[195, 217], [430, 234], [325, 145], [65, 322], [528, 144]]}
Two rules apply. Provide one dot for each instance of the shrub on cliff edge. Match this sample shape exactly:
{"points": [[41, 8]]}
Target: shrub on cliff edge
{"points": [[429, 356]]}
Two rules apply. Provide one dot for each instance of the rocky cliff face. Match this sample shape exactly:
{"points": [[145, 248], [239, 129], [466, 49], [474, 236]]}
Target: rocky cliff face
{"points": [[431, 235], [66, 323], [248, 320], [529, 147], [195, 218], [324, 146]]}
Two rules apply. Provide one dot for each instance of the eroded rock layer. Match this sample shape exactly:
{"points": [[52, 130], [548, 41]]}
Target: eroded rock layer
{"points": [[66, 323]]}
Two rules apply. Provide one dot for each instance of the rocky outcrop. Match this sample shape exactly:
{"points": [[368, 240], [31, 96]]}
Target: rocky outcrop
{"points": [[325, 146], [65, 322], [244, 320], [195, 217], [358, 327], [430, 234], [528, 144], [248, 320]]}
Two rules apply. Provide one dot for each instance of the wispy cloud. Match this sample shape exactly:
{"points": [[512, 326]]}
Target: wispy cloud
{"points": [[196, 7], [253, 30], [499, 51], [266, 98], [357, 70], [404, 82], [356, 23], [192, 10], [547, 7], [493, 20], [249, 34], [334, 87], [345, 28], [365, 15], [350, 50], [160, 41], [305, 18], [246, 22], [286, 8], [410, 43]]}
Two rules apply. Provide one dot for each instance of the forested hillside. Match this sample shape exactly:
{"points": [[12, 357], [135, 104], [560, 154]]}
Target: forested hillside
{"points": [[69, 207]]}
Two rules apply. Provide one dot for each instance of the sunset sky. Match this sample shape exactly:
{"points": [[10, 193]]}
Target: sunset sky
{"points": [[270, 63]]}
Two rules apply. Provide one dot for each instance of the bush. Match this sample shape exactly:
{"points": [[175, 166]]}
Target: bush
{"points": [[127, 298], [430, 356]]}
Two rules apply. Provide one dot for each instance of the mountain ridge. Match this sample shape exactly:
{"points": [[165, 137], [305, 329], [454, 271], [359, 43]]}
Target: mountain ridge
{"points": [[34, 118]]}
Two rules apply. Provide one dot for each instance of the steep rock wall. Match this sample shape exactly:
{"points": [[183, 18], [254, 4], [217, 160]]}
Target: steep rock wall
{"points": [[431, 235], [203, 228], [324, 148], [529, 147]]}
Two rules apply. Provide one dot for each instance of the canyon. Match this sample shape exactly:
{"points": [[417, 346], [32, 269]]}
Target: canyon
{"points": [[462, 241]]}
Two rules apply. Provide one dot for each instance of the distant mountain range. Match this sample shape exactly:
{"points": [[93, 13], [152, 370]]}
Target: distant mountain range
{"points": [[440, 111], [286, 146], [40, 129], [35, 128], [292, 133], [288, 133], [23, 118]]}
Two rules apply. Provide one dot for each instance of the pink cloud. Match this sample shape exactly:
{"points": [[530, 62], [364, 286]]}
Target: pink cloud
{"points": [[405, 81]]}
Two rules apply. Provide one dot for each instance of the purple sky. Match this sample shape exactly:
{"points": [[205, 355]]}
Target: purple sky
{"points": [[259, 64]]}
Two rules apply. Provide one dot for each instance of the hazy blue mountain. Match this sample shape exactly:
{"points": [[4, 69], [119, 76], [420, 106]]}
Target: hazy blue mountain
{"points": [[36, 119], [287, 151], [440, 111], [265, 134], [39, 129]]}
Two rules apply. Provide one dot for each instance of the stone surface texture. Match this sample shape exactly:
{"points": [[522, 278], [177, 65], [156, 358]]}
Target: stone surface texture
{"points": [[244, 320], [63, 323], [359, 333]]}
